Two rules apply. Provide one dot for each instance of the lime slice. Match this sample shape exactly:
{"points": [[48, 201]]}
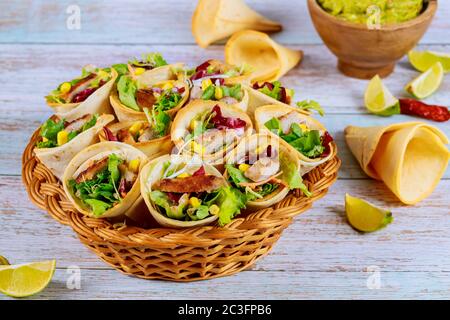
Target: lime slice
{"points": [[379, 100], [423, 60], [364, 216], [427, 83], [24, 280], [3, 261]]}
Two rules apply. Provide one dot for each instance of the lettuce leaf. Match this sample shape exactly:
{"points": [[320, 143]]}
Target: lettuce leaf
{"points": [[274, 125], [127, 92], [292, 176], [230, 202], [311, 105], [162, 200], [98, 207]]}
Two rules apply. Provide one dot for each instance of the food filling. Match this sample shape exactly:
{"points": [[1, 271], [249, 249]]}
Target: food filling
{"points": [[190, 194], [55, 133], [215, 89], [275, 91], [211, 131], [293, 129], [212, 70], [79, 89], [105, 183]]}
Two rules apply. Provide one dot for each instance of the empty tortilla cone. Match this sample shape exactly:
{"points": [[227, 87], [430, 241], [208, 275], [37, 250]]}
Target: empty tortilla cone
{"points": [[214, 20], [268, 59], [410, 158]]}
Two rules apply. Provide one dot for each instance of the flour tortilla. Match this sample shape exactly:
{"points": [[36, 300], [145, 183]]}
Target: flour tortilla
{"points": [[183, 120], [286, 156], [153, 171], [151, 149], [410, 158], [269, 60], [98, 103], [265, 113], [56, 159], [97, 152]]}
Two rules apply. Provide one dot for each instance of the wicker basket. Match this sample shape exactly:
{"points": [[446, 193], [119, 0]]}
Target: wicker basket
{"points": [[170, 254]]}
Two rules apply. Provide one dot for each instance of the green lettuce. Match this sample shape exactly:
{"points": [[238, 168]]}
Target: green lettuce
{"points": [[127, 92], [162, 200], [311, 105], [230, 202]]}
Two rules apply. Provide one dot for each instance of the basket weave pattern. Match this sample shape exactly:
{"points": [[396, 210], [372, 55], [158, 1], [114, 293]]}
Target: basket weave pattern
{"points": [[171, 254]]}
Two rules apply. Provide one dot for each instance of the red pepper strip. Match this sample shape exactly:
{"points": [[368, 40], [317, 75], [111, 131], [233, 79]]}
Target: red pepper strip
{"points": [[326, 140], [109, 135], [423, 110]]}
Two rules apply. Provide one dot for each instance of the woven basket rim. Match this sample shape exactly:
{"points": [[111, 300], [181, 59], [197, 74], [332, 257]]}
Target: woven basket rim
{"points": [[100, 229]]}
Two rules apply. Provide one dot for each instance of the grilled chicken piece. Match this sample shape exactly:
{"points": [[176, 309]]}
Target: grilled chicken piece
{"points": [[262, 169], [145, 98], [92, 170], [80, 86], [204, 183], [196, 93], [77, 124], [288, 119], [214, 139], [147, 135], [123, 135]]}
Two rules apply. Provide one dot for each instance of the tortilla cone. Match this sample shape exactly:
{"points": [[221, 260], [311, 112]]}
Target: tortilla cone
{"points": [[98, 102], [265, 113], [286, 157], [153, 171], [151, 149], [98, 151], [56, 159], [410, 158], [183, 119], [125, 113], [214, 20], [269, 60]]}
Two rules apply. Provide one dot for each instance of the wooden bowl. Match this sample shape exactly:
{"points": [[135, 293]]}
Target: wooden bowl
{"points": [[362, 52]]}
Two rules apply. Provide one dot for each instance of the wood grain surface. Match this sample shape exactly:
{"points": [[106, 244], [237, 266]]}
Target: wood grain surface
{"points": [[318, 257]]}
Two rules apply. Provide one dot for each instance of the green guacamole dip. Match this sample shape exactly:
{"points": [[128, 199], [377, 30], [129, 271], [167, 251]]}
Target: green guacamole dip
{"points": [[392, 11]]}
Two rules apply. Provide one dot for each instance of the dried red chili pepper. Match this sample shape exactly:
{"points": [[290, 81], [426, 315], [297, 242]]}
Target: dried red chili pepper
{"points": [[423, 110]]}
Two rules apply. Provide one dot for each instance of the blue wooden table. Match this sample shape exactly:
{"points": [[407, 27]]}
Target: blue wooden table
{"points": [[319, 257]]}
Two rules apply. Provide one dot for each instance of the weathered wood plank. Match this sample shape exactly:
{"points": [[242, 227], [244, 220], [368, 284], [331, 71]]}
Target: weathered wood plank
{"points": [[318, 240], [107, 284], [161, 22]]}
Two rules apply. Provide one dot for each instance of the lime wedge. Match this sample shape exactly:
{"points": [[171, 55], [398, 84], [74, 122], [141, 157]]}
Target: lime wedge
{"points": [[423, 60], [379, 100], [427, 83], [364, 216], [24, 280]]}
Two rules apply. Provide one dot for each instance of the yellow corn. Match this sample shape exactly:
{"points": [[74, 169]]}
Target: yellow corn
{"points": [[167, 86], [135, 128], [195, 202], [244, 167], [138, 71], [65, 87], [214, 210], [44, 139], [193, 124], [304, 127], [62, 137], [198, 148], [218, 93], [133, 165], [206, 83], [183, 175], [103, 74]]}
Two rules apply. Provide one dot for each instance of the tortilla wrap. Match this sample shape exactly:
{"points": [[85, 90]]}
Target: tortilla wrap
{"points": [[56, 159], [215, 20], [182, 122], [265, 113], [125, 113], [153, 171], [410, 158], [151, 149], [98, 102], [269, 60], [286, 157], [96, 152]]}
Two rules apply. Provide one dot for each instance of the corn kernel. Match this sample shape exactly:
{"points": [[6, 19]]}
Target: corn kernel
{"points": [[193, 124], [135, 128], [103, 74], [218, 93], [44, 139], [198, 148], [304, 127], [167, 86], [62, 137], [206, 83], [183, 175], [138, 71], [195, 202], [65, 87], [133, 165], [214, 210], [244, 167]]}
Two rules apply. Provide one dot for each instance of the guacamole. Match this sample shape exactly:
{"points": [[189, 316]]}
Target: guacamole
{"points": [[392, 11]]}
